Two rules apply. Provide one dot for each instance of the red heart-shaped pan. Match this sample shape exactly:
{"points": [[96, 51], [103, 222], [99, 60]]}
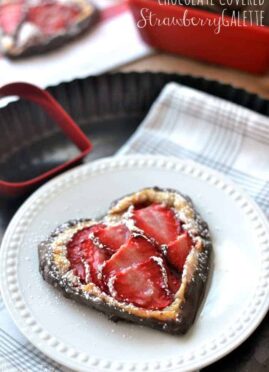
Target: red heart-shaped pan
{"points": [[64, 122]]}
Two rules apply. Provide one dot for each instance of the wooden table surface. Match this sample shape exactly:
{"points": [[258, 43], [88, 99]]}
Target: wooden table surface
{"points": [[170, 63]]}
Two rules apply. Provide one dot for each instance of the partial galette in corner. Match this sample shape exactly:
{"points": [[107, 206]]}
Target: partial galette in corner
{"points": [[146, 261], [29, 27]]}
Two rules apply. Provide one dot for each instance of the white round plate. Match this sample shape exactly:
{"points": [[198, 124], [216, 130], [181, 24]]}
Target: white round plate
{"points": [[83, 339]]}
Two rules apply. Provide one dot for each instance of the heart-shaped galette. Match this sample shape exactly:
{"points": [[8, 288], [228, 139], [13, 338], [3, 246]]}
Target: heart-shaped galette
{"points": [[146, 261], [30, 27]]}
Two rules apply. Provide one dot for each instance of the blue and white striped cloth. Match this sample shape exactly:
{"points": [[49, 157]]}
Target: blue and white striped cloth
{"points": [[187, 124]]}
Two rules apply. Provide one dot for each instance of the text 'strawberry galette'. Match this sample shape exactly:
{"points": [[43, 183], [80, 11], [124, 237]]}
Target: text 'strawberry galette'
{"points": [[146, 261]]}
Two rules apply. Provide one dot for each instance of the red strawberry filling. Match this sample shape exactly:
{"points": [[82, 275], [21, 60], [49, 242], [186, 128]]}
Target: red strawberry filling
{"points": [[158, 222], [113, 237], [52, 17], [86, 257], [178, 251], [143, 270], [137, 250], [142, 285], [11, 16], [173, 280]]}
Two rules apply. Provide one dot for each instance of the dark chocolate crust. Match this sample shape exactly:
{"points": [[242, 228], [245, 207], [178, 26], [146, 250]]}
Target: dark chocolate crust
{"points": [[58, 41], [193, 296]]}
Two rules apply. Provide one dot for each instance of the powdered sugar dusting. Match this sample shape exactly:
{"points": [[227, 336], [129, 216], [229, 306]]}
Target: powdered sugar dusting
{"points": [[96, 240], [128, 221], [159, 261], [87, 271], [71, 278], [110, 284], [164, 249], [100, 270]]}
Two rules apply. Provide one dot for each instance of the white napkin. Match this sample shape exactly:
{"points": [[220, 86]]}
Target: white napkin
{"points": [[187, 124]]}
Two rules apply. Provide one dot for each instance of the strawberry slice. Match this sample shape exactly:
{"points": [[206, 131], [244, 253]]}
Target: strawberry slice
{"points": [[178, 251], [137, 250], [159, 222], [142, 285], [52, 17], [173, 281], [85, 257], [113, 237], [11, 16]]}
